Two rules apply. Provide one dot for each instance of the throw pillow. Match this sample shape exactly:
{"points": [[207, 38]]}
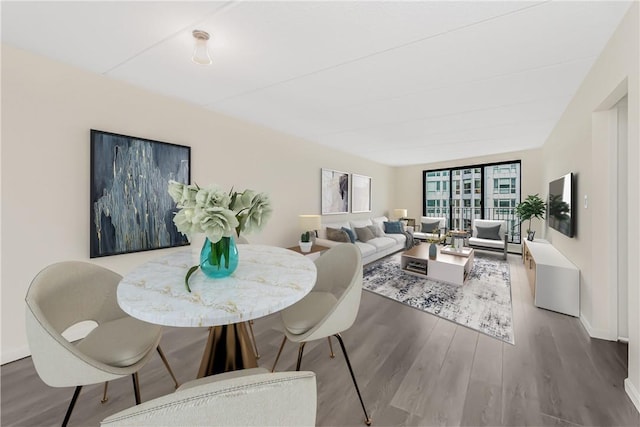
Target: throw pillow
{"points": [[364, 233], [376, 230], [428, 227], [393, 227], [490, 232], [337, 235], [350, 233]]}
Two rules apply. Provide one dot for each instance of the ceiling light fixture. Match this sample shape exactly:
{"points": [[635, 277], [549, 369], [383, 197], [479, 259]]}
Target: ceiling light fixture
{"points": [[201, 51]]}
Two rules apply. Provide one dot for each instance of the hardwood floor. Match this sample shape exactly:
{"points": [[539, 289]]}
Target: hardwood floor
{"points": [[413, 369]]}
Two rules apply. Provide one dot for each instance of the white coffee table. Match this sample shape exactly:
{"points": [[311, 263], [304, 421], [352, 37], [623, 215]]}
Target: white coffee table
{"points": [[448, 268]]}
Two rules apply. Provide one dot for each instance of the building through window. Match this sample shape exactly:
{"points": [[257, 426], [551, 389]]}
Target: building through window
{"points": [[461, 194]]}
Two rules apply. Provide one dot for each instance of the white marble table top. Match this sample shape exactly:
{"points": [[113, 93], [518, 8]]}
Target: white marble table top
{"points": [[267, 280]]}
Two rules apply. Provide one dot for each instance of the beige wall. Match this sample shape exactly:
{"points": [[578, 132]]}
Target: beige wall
{"points": [[47, 111], [408, 191], [582, 143]]}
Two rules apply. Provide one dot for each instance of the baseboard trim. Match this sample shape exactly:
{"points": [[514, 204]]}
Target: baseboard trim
{"points": [[632, 392], [602, 334], [14, 354]]}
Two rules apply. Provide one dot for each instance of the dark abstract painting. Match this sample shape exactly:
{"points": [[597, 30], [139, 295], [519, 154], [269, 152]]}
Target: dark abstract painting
{"points": [[131, 209]]}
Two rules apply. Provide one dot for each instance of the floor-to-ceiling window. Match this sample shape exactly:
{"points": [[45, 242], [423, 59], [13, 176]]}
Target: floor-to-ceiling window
{"points": [[462, 194]]}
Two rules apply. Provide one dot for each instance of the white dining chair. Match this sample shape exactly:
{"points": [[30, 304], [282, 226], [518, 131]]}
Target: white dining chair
{"points": [[248, 397], [66, 293], [330, 308]]}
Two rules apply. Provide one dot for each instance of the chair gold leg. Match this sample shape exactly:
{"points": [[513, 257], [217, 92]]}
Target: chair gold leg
{"points": [[284, 340], [136, 387], [331, 348], [300, 351], [367, 419], [166, 364], [253, 339], [104, 394]]}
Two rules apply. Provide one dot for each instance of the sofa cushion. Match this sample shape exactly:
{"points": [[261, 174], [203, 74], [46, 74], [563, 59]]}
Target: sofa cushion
{"points": [[366, 249], [337, 235], [359, 223], [398, 238], [350, 233], [393, 227], [382, 242], [488, 232], [380, 220], [430, 226], [364, 234], [376, 229], [489, 243]]}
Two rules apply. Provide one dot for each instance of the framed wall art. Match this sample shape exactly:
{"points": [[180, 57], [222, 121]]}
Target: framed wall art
{"points": [[360, 193], [335, 192], [131, 209]]}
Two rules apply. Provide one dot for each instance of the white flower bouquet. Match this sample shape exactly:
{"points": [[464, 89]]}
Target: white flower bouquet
{"points": [[218, 215]]}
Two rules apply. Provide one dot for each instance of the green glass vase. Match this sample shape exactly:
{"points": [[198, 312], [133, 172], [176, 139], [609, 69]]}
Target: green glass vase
{"points": [[219, 259]]}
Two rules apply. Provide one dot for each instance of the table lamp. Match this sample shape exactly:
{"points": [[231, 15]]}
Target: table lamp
{"points": [[400, 213]]}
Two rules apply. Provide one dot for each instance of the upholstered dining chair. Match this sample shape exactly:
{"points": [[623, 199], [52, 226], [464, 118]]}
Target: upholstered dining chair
{"points": [[330, 308], [66, 293], [248, 397]]}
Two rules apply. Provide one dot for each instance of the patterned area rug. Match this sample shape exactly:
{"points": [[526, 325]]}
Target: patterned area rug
{"points": [[482, 304]]}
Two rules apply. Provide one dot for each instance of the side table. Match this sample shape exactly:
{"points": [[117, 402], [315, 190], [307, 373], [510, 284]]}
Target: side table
{"points": [[315, 252]]}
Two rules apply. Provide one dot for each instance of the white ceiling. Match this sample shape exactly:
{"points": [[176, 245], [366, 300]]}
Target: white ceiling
{"points": [[399, 83]]}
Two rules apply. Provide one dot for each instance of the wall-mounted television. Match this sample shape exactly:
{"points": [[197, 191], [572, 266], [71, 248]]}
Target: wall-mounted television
{"points": [[561, 209]]}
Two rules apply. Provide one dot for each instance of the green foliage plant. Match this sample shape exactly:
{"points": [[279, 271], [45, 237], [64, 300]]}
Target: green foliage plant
{"points": [[532, 207], [305, 237]]}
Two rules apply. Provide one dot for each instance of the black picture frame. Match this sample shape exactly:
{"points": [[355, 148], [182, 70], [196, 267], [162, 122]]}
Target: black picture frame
{"points": [[130, 207]]}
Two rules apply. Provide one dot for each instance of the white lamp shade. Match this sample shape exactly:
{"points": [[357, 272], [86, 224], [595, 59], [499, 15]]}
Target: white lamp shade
{"points": [[400, 213], [309, 222]]}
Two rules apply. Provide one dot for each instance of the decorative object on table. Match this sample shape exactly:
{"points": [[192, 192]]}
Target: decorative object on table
{"points": [[458, 238], [463, 251], [220, 216], [360, 193], [335, 192], [531, 235], [483, 303], [305, 242], [434, 240], [532, 207], [129, 212], [310, 223]]}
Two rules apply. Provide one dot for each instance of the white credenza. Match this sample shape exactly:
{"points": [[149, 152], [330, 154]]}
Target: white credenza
{"points": [[554, 280]]}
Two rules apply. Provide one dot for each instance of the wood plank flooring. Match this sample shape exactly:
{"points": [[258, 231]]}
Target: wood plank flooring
{"points": [[414, 369]]}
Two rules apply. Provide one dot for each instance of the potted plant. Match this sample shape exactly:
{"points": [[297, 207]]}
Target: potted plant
{"points": [[305, 242], [532, 207]]}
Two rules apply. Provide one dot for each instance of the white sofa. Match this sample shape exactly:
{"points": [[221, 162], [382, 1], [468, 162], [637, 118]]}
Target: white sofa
{"points": [[497, 245], [428, 234], [371, 250]]}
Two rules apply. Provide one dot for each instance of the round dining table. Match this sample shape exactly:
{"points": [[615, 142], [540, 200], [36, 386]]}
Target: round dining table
{"points": [[267, 280]]}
